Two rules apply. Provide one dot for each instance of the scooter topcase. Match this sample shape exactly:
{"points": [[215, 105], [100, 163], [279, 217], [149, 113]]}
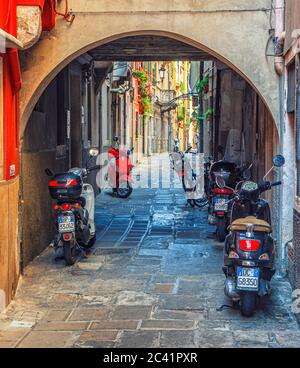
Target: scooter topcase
{"points": [[66, 186]]}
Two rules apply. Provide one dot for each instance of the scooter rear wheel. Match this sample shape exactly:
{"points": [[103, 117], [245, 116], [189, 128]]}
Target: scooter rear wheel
{"points": [[69, 252], [124, 192], [221, 229], [248, 304]]}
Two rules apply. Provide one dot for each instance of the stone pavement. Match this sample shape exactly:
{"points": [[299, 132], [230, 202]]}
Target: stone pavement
{"points": [[154, 279]]}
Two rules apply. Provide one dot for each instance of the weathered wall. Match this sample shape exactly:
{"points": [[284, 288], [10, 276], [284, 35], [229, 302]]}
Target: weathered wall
{"points": [[199, 23], [9, 251], [39, 151]]}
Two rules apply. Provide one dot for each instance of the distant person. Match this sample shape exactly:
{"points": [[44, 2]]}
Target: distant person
{"points": [[176, 145]]}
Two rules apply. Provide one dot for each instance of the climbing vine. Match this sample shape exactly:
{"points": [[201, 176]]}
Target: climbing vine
{"points": [[144, 91]]}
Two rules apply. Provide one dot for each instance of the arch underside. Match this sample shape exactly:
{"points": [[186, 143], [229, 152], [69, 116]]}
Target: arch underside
{"points": [[243, 51]]}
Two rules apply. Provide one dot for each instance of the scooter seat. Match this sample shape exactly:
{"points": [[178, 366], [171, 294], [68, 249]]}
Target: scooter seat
{"points": [[242, 224]]}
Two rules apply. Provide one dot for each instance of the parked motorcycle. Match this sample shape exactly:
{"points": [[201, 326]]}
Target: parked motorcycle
{"points": [[249, 254], [219, 207], [191, 183], [119, 175], [75, 208]]}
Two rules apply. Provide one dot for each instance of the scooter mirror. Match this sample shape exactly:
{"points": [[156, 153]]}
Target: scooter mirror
{"points": [[220, 182], [278, 161], [49, 172], [116, 139], [93, 152], [247, 174]]}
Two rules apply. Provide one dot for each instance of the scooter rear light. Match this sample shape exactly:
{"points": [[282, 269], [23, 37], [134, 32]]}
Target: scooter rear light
{"points": [[233, 255], [222, 191], [220, 213], [249, 245], [67, 237], [264, 257], [56, 207], [68, 183], [66, 206], [76, 205]]}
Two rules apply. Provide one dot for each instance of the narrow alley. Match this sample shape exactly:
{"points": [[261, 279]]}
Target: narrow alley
{"points": [[149, 174], [154, 279]]}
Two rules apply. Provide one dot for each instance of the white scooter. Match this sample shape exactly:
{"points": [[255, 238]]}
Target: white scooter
{"points": [[75, 210]]}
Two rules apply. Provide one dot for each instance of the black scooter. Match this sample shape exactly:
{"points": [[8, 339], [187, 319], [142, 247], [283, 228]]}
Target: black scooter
{"points": [[249, 256], [74, 206]]}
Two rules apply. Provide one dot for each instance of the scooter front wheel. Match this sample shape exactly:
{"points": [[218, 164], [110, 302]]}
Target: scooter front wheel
{"points": [[248, 303], [124, 192], [69, 252]]}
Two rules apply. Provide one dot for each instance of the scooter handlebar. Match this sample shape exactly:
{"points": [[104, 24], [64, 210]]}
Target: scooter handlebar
{"points": [[276, 184]]}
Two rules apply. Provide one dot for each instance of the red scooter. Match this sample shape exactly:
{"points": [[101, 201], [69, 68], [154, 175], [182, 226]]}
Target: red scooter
{"points": [[119, 175]]}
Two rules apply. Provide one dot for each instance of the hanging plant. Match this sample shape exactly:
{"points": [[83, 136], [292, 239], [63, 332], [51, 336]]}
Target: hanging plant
{"points": [[181, 113], [203, 86], [144, 92], [207, 113]]}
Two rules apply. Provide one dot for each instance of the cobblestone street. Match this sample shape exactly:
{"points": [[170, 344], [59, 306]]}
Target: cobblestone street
{"points": [[154, 279]]}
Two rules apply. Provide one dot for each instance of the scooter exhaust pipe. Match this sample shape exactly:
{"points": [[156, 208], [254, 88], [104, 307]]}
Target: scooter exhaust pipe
{"points": [[230, 289]]}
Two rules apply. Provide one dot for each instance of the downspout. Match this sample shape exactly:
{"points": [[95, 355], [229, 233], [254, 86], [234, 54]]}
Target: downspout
{"points": [[279, 65], [279, 37]]}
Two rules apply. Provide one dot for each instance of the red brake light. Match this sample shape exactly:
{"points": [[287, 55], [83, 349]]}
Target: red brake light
{"points": [[76, 205], [56, 207], [222, 191], [66, 206], [68, 183], [249, 245]]}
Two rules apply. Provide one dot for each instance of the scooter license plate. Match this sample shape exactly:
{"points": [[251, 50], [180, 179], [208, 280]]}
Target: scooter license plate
{"points": [[221, 204], [66, 224], [247, 278]]}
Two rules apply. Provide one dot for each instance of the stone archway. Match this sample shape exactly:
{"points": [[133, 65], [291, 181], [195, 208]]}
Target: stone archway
{"points": [[200, 25]]}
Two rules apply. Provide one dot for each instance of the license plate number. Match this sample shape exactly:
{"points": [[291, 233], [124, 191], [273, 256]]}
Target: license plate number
{"points": [[247, 278], [221, 204], [66, 224]]}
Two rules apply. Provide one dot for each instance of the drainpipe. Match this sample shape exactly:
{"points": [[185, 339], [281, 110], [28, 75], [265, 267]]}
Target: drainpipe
{"points": [[279, 36], [279, 65]]}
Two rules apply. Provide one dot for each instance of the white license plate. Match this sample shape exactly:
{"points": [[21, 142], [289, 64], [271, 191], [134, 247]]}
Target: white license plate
{"points": [[66, 224], [221, 204], [247, 278]]}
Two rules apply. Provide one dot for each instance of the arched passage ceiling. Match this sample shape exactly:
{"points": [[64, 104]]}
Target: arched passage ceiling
{"points": [[147, 48]]}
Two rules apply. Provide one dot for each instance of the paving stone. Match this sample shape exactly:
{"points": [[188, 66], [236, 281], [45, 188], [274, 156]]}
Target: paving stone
{"points": [[167, 325], [182, 302], [135, 298], [57, 315], [12, 336], [180, 315], [103, 335], [48, 339], [61, 326], [115, 325], [214, 338], [138, 339], [89, 314], [131, 312], [163, 288], [177, 339]]}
